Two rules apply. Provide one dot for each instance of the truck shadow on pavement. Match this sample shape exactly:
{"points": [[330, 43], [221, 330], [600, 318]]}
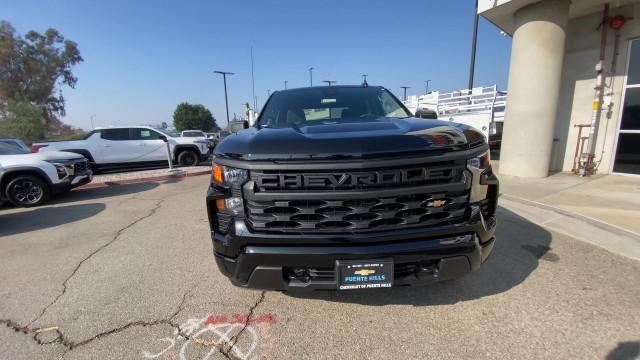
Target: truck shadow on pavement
{"points": [[20, 221], [46, 217], [625, 350], [519, 248]]}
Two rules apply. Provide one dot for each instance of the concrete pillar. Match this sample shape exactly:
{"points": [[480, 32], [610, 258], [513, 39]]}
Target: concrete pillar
{"points": [[534, 85]]}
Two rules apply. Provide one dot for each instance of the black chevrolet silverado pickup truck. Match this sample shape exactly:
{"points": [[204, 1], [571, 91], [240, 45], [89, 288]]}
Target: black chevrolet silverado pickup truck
{"points": [[341, 188]]}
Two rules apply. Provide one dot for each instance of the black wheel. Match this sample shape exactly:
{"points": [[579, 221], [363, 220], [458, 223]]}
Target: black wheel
{"points": [[188, 158], [27, 191]]}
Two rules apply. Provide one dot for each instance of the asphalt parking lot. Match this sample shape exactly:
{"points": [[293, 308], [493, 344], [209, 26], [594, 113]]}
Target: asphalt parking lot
{"points": [[126, 272]]}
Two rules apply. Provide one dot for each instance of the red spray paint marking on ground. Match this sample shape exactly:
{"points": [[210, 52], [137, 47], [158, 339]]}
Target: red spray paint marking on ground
{"points": [[268, 319]]}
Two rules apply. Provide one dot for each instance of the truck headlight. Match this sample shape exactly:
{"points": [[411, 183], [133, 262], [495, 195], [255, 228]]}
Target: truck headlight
{"points": [[481, 162], [233, 203], [228, 175], [61, 170]]}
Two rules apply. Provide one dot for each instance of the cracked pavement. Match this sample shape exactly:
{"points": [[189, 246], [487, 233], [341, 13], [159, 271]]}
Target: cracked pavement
{"points": [[126, 271]]}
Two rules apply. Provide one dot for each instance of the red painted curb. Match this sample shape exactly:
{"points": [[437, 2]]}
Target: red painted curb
{"points": [[94, 185]]}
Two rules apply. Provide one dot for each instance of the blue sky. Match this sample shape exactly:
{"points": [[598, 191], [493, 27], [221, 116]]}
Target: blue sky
{"points": [[144, 57]]}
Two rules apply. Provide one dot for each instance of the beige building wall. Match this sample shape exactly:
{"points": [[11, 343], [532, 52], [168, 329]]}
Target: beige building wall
{"points": [[578, 82]]}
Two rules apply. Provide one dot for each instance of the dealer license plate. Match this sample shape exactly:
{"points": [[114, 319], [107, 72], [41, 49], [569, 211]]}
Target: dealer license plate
{"points": [[364, 274]]}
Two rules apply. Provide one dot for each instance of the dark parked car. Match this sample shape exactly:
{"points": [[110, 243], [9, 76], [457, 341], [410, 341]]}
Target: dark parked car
{"points": [[341, 188]]}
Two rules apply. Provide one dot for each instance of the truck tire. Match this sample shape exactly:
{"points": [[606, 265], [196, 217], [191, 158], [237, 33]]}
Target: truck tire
{"points": [[188, 158], [27, 191]]}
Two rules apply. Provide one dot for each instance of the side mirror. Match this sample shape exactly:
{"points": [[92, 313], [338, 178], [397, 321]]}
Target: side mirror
{"points": [[163, 138], [235, 126]]}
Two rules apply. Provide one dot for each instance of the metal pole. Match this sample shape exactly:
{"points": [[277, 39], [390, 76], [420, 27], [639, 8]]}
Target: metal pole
{"points": [[226, 100], [311, 76], [589, 167], [473, 47], [253, 83], [405, 91], [169, 156]]}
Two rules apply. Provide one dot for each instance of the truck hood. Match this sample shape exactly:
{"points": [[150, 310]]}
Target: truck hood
{"points": [[51, 155], [360, 139], [35, 158]]}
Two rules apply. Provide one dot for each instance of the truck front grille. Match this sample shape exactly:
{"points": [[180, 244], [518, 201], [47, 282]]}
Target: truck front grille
{"points": [[358, 200], [353, 215], [81, 166]]}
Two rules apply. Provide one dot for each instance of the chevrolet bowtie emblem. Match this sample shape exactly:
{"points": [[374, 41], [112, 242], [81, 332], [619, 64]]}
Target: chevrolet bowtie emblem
{"points": [[365, 272], [438, 203]]}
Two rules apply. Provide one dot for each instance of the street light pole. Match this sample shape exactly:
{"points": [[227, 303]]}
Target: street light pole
{"points": [[426, 89], [472, 65], [311, 76], [405, 91], [226, 100]]}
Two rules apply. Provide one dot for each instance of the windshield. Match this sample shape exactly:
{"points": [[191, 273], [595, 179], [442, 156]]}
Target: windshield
{"points": [[6, 149], [193, 134], [325, 105]]}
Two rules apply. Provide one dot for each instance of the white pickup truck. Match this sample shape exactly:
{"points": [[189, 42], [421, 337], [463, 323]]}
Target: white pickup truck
{"points": [[131, 147]]}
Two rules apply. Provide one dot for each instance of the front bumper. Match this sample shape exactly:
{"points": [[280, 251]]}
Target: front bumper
{"points": [[296, 268], [73, 181], [420, 257]]}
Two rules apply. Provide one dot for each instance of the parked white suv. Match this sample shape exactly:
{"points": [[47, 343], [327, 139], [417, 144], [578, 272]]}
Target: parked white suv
{"points": [[131, 147], [28, 179]]}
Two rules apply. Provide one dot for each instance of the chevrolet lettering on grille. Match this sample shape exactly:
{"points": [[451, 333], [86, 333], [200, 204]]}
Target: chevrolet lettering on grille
{"points": [[337, 180]]}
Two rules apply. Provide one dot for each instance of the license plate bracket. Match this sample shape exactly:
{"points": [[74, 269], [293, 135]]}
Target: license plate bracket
{"points": [[364, 274]]}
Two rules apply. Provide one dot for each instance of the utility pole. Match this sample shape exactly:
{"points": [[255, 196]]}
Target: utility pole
{"points": [[426, 89], [285, 84], [473, 47], [405, 91], [253, 83], [364, 80], [329, 82], [311, 76], [226, 100]]}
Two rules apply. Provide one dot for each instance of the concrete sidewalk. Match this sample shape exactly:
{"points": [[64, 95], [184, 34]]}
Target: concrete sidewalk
{"points": [[609, 199]]}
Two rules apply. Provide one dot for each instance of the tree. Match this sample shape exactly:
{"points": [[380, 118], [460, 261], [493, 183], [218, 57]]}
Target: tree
{"points": [[22, 120], [193, 117], [33, 67]]}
